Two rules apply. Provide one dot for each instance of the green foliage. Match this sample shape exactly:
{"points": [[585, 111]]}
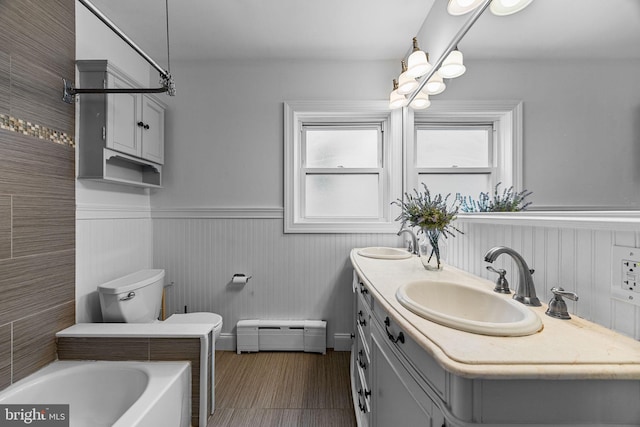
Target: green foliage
{"points": [[429, 213], [507, 201]]}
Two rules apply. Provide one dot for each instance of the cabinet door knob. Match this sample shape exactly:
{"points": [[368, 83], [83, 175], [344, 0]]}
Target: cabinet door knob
{"points": [[140, 124], [146, 126]]}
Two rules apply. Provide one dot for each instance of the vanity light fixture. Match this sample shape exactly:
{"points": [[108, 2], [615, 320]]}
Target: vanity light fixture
{"points": [[453, 65], [460, 7], [508, 7], [396, 100], [406, 83], [421, 101], [497, 7], [435, 84], [418, 62]]}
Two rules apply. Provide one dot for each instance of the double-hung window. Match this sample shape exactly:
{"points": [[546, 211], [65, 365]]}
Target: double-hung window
{"points": [[342, 170], [455, 157], [465, 147]]}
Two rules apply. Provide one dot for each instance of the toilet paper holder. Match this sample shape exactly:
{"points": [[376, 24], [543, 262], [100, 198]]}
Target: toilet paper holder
{"points": [[240, 278]]}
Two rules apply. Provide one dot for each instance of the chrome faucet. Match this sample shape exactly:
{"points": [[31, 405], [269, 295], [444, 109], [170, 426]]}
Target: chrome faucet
{"points": [[413, 245], [526, 291]]}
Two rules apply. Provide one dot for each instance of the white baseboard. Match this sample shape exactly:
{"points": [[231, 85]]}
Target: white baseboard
{"points": [[342, 342], [226, 342]]}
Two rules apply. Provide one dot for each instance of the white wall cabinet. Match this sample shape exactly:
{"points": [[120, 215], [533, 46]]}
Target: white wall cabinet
{"points": [[121, 136]]}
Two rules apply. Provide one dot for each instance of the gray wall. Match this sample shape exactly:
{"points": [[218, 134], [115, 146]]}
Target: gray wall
{"points": [[581, 126]]}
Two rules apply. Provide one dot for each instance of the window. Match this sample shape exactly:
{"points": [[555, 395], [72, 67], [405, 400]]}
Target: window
{"points": [[342, 167], [465, 147], [455, 158]]}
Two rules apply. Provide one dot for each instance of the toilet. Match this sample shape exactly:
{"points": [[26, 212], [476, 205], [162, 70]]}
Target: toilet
{"points": [[137, 298]]}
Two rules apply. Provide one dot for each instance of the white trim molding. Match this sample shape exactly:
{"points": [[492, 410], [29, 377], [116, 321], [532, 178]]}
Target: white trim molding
{"points": [[594, 220], [94, 211], [218, 213]]}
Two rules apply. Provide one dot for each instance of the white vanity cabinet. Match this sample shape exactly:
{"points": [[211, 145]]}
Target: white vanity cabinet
{"points": [[385, 391], [412, 380], [121, 136]]}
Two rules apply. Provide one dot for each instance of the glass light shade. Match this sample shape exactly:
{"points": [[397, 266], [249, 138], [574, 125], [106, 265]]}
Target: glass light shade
{"points": [[452, 66], [397, 100], [435, 84], [406, 84], [508, 7], [460, 7], [417, 64], [421, 101]]}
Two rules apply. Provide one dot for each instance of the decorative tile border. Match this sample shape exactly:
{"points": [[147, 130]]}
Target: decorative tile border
{"points": [[37, 131]]}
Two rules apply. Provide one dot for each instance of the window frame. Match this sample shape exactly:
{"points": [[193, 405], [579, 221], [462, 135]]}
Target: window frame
{"points": [[299, 115], [505, 117]]}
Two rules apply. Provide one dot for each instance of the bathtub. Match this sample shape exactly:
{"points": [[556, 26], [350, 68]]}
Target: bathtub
{"points": [[118, 394]]}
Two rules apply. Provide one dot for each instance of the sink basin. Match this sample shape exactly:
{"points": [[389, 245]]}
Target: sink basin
{"points": [[468, 308], [385, 253]]}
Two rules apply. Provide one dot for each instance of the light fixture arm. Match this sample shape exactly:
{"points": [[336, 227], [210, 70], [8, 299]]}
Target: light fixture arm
{"points": [[450, 47], [167, 82]]}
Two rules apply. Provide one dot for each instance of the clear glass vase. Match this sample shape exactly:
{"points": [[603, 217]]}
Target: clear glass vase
{"points": [[432, 249]]}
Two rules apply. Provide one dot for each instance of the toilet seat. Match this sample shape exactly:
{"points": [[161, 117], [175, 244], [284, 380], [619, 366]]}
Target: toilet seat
{"points": [[201, 317]]}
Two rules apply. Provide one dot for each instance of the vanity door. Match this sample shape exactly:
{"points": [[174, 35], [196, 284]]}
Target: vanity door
{"points": [[396, 398]]}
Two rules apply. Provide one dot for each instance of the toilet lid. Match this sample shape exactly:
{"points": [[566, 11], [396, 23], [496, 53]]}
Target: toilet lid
{"points": [[206, 318]]}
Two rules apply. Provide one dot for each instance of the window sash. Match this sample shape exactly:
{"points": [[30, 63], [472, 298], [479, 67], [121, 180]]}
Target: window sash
{"points": [[379, 127]]}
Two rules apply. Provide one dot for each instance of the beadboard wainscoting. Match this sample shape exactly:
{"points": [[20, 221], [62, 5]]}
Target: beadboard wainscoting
{"points": [[111, 242], [294, 276], [573, 253]]}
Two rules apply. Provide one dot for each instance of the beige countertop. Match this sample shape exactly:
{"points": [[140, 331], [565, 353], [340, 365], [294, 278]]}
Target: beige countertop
{"points": [[563, 349]]}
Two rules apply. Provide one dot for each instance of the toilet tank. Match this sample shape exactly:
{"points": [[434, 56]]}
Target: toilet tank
{"points": [[134, 298]]}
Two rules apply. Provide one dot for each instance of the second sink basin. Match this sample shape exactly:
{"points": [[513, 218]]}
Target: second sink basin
{"points": [[468, 308], [381, 252]]}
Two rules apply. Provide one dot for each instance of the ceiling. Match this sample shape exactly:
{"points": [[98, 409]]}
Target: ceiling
{"points": [[274, 29], [369, 29]]}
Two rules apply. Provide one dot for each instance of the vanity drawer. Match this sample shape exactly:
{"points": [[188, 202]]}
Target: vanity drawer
{"points": [[362, 359], [363, 322], [360, 289], [363, 394], [415, 356]]}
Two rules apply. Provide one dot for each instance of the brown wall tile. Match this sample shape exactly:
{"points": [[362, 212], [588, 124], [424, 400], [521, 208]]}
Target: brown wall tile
{"points": [[34, 343], [90, 348], [5, 87], [34, 284], [29, 166], [31, 81], [37, 50], [42, 224], [5, 356], [181, 349], [5, 227]]}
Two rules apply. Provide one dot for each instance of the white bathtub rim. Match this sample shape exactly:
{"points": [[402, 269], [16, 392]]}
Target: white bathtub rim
{"points": [[160, 374]]}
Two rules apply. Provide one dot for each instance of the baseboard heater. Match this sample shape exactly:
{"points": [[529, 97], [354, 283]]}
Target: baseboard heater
{"points": [[282, 335]]}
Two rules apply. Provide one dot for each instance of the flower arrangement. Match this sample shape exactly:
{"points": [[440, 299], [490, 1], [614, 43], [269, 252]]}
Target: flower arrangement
{"points": [[508, 201], [434, 217]]}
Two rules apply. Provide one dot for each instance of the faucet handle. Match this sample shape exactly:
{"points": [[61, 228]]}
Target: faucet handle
{"points": [[502, 286], [557, 306], [559, 292]]}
